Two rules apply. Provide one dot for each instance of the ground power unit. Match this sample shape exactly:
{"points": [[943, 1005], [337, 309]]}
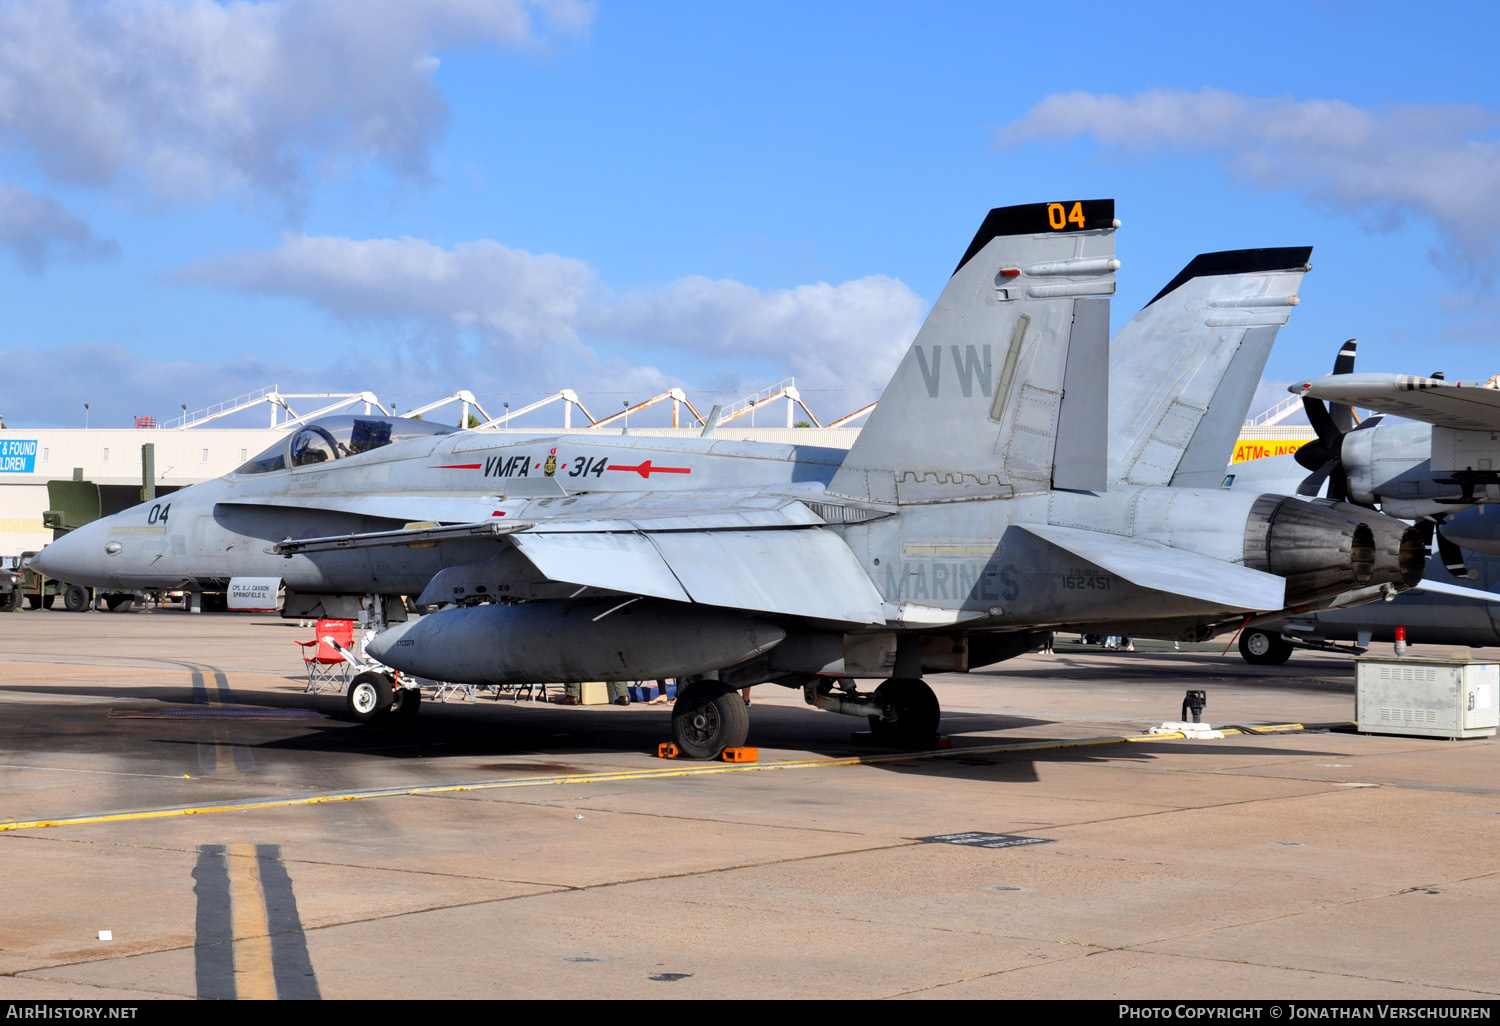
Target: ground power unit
{"points": [[1450, 698]]}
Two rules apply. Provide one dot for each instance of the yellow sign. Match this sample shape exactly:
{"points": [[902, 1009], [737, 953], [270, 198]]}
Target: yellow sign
{"points": [[1255, 450]]}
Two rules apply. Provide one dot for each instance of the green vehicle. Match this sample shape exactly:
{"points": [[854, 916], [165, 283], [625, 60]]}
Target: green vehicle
{"points": [[11, 580]]}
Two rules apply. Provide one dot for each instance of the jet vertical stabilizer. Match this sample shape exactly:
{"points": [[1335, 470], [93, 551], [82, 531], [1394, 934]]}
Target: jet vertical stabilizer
{"points": [[977, 408], [1183, 371]]}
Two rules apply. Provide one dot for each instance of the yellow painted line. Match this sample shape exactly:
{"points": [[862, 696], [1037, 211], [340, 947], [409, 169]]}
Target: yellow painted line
{"points": [[684, 770], [254, 977]]}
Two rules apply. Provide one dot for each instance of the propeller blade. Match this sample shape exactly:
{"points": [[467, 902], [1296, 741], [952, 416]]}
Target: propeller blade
{"points": [[1343, 416], [1329, 443], [1320, 419], [1338, 483], [1344, 362], [1453, 558], [1428, 527], [1313, 482]]}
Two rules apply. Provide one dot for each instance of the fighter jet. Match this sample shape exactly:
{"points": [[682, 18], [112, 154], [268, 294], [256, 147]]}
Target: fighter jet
{"points": [[981, 506]]}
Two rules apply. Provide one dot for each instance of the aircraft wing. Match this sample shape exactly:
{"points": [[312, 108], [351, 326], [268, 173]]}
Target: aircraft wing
{"points": [[447, 509], [806, 572], [1450, 404], [650, 512], [1456, 591], [1174, 571]]}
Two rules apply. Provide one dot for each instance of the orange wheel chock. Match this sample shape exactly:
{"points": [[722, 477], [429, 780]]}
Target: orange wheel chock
{"points": [[741, 754], [667, 750]]}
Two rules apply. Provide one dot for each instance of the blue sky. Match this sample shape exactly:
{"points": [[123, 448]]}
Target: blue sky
{"points": [[198, 200]]}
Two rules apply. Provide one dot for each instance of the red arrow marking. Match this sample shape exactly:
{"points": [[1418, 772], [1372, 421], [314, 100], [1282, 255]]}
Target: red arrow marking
{"points": [[460, 466], [646, 469]]}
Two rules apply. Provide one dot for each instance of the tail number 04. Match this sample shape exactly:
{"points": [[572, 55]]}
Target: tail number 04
{"points": [[158, 514], [1059, 217]]}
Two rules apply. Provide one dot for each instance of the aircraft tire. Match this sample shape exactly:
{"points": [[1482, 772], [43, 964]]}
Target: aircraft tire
{"points": [[76, 599], [370, 696], [708, 718], [915, 712], [1263, 648], [407, 702], [119, 602]]}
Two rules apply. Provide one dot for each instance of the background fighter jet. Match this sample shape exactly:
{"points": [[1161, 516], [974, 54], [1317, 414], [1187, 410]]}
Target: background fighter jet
{"points": [[982, 505]]}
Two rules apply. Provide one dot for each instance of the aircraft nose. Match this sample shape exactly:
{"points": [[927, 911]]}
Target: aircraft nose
{"points": [[78, 557]]}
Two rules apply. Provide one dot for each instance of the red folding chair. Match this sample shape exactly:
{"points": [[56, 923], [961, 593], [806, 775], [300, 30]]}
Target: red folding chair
{"points": [[325, 664]]}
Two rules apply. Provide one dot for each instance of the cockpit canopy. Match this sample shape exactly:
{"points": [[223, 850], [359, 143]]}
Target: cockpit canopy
{"points": [[334, 438]]}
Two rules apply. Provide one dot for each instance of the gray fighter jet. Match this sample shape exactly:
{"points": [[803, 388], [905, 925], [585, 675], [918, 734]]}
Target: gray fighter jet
{"points": [[994, 495]]}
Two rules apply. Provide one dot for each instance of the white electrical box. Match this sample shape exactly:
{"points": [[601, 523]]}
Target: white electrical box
{"points": [[1427, 697]]}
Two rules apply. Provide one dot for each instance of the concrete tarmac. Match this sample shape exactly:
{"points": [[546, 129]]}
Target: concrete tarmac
{"points": [[167, 778]]}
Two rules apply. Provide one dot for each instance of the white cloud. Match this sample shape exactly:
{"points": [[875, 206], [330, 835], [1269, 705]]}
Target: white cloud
{"points": [[853, 333], [195, 99], [534, 312], [1440, 163], [35, 227], [506, 294]]}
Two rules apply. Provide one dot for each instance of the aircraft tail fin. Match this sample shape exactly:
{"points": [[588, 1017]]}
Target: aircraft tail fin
{"points": [[1184, 370], [1004, 391]]}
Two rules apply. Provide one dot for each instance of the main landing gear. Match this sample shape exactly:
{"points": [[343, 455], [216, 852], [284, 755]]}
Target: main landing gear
{"points": [[909, 712], [707, 718], [1264, 648], [903, 711]]}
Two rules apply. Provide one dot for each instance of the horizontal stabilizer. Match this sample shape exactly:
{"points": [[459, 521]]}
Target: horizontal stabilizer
{"points": [[1158, 567]]}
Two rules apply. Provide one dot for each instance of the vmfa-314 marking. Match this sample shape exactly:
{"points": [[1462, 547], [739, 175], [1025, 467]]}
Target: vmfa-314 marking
{"points": [[982, 504]]}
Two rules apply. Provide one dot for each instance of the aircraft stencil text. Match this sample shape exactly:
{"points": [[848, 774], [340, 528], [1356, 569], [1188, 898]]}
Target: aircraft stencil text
{"points": [[922, 580], [970, 364], [507, 466]]}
